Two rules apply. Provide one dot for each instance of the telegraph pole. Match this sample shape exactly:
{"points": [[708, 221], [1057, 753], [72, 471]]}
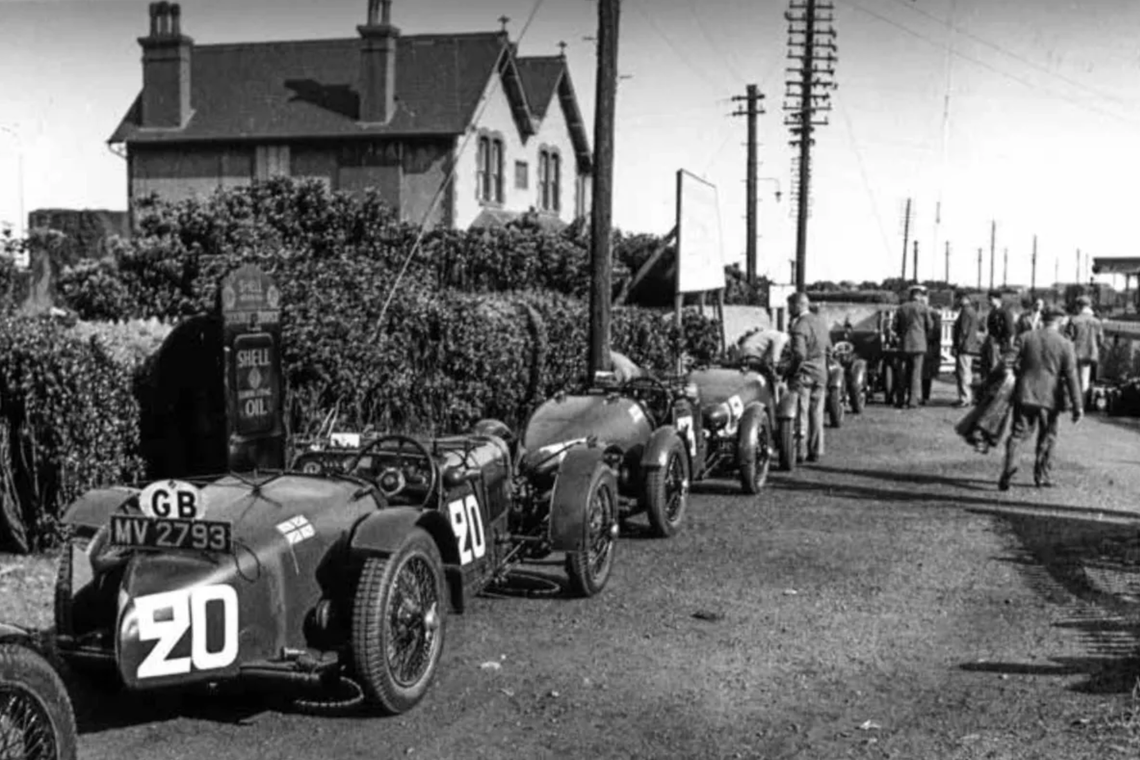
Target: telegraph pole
{"points": [[915, 269], [1033, 276], [752, 109], [993, 234], [811, 41], [979, 269], [906, 238], [601, 213], [947, 262]]}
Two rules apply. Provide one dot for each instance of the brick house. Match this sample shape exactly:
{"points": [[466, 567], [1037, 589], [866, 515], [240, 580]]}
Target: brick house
{"points": [[398, 113]]}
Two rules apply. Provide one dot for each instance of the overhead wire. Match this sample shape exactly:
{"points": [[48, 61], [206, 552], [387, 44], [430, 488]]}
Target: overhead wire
{"points": [[674, 47], [866, 180], [989, 67], [446, 182]]}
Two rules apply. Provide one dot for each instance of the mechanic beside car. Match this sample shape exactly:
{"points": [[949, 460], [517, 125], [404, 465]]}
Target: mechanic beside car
{"points": [[807, 374]]}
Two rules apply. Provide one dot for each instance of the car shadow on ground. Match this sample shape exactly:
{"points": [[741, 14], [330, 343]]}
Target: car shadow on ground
{"points": [[1091, 570], [915, 478], [908, 496]]}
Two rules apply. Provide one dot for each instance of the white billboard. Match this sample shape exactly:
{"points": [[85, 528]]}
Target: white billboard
{"points": [[700, 254]]}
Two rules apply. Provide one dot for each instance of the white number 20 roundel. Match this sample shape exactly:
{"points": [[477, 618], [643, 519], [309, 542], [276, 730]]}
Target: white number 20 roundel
{"points": [[468, 527], [164, 619]]}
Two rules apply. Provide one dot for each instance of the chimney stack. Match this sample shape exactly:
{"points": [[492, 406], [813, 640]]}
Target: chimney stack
{"points": [[378, 64], [166, 69]]}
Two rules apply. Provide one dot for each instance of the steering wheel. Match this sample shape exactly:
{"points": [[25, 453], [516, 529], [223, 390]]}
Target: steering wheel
{"points": [[396, 477], [843, 350], [654, 393]]}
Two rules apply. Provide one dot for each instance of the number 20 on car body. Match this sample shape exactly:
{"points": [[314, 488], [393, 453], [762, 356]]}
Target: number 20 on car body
{"points": [[165, 618], [468, 526]]}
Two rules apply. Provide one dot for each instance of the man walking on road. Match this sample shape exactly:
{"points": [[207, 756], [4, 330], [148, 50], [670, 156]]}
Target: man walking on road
{"points": [[1046, 368], [1000, 330], [912, 324], [807, 375], [1087, 334], [966, 343]]}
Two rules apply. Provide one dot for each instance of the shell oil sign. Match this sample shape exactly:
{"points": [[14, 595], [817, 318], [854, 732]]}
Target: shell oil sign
{"points": [[251, 313]]}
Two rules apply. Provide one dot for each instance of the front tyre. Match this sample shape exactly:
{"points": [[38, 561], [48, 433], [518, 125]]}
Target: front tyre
{"points": [[36, 716], [787, 436], [754, 449], [667, 491], [398, 623], [835, 407], [589, 568]]}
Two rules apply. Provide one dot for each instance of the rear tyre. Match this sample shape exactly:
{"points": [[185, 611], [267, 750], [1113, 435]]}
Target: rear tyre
{"points": [[835, 407], [36, 716], [890, 380], [787, 437], [398, 624], [754, 449], [857, 392], [667, 491], [589, 569]]}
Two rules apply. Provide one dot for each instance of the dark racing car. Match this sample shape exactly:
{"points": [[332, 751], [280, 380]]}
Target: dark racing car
{"points": [[335, 580], [647, 430]]}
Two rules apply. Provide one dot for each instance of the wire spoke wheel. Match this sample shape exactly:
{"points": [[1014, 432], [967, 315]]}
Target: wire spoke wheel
{"points": [[600, 540], [589, 568], [25, 728], [36, 717], [412, 609]]}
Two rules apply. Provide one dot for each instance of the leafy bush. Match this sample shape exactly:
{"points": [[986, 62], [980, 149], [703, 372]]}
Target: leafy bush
{"points": [[69, 420]]}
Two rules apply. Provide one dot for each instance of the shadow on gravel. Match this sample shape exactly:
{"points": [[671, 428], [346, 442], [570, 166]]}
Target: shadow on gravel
{"points": [[915, 478], [1090, 568], [909, 496]]}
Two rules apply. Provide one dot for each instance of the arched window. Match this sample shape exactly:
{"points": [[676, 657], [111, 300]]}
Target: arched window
{"points": [[549, 179], [489, 168]]}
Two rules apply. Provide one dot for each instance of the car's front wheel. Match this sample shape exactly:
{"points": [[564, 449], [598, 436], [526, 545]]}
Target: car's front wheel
{"points": [[36, 716], [787, 437], [754, 449], [835, 407], [589, 568], [667, 491], [398, 623]]}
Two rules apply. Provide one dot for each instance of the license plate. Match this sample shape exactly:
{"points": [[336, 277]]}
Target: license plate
{"points": [[149, 533]]}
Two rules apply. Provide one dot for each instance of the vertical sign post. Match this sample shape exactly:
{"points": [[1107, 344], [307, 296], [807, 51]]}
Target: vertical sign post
{"points": [[255, 425]]}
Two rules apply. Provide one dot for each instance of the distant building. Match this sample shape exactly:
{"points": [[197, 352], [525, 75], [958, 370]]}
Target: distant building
{"points": [[391, 112]]}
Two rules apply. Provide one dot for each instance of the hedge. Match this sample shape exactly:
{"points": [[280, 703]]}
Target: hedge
{"points": [[68, 422]]}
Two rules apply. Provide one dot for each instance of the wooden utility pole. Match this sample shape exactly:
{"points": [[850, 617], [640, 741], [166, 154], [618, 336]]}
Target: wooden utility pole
{"points": [[1033, 275], [1078, 280], [1005, 267], [906, 238], [993, 235], [752, 109], [811, 42], [979, 269], [601, 214], [915, 261], [947, 262]]}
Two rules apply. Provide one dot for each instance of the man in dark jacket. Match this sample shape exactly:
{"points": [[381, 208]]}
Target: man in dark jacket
{"points": [[912, 324], [1046, 369], [1000, 331], [807, 375], [965, 344]]}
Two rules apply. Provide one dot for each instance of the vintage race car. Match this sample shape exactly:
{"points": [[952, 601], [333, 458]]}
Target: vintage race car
{"points": [[846, 382], [738, 417], [338, 580], [648, 431]]}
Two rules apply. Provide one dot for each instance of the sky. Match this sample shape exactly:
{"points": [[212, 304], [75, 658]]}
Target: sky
{"points": [[1042, 135]]}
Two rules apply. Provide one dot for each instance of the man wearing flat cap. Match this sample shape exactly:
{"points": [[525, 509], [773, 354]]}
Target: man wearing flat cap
{"points": [[966, 343], [912, 324], [1046, 367], [1087, 334]]}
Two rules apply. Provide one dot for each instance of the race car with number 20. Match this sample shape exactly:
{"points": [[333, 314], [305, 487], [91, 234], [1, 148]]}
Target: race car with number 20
{"points": [[338, 581]]}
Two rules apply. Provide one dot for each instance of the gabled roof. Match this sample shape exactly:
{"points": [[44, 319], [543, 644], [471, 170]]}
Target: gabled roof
{"points": [[311, 89], [545, 76]]}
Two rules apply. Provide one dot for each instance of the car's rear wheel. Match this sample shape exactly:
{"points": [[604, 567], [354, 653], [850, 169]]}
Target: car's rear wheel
{"points": [[857, 392], [36, 716], [667, 491], [398, 623], [835, 407], [589, 569], [754, 449], [787, 436]]}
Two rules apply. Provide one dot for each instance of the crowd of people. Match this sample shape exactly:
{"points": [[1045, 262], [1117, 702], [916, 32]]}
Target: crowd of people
{"points": [[1037, 364]]}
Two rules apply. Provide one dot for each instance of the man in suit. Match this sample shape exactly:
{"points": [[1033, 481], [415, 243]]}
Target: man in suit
{"points": [[807, 374], [1031, 315], [965, 344], [912, 324], [1000, 332], [1087, 334], [1046, 368]]}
